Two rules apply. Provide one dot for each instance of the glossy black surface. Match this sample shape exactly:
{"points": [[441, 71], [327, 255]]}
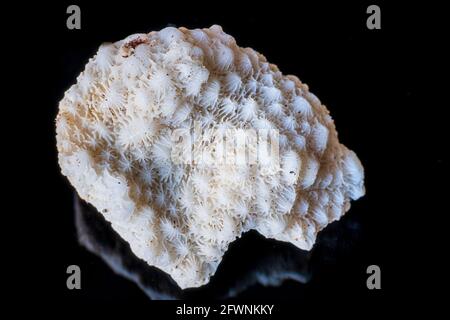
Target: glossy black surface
{"points": [[371, 81]]}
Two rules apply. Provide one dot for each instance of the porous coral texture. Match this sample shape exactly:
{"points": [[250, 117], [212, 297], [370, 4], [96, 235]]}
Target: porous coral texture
{"points": [[178, 206]]}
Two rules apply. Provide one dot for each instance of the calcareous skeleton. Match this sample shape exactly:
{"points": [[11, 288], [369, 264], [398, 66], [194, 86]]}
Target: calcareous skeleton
{"points": [[124, 142]]}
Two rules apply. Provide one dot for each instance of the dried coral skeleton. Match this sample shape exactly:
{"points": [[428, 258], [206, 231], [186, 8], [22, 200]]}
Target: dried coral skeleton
{"points": [[114, 137]]}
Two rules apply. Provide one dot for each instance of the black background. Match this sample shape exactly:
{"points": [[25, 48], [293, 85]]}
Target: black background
{"points": [[374, 82]]}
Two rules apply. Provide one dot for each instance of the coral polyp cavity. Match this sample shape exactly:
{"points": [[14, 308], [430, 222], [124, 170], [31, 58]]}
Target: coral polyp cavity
{"points": [[183, 140]]}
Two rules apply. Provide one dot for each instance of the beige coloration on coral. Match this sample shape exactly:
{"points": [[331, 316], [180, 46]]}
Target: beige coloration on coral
{"points": [[115, 141]]}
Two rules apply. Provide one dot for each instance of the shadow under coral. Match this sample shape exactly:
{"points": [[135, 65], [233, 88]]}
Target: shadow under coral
{"points": [[249, 261]]}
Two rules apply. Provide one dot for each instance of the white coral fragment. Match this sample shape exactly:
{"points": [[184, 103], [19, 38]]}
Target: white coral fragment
{"points": [[143, 137]]}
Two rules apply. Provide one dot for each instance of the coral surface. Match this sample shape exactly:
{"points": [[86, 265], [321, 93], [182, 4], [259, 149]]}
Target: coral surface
{"points": [[183, 140]]}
